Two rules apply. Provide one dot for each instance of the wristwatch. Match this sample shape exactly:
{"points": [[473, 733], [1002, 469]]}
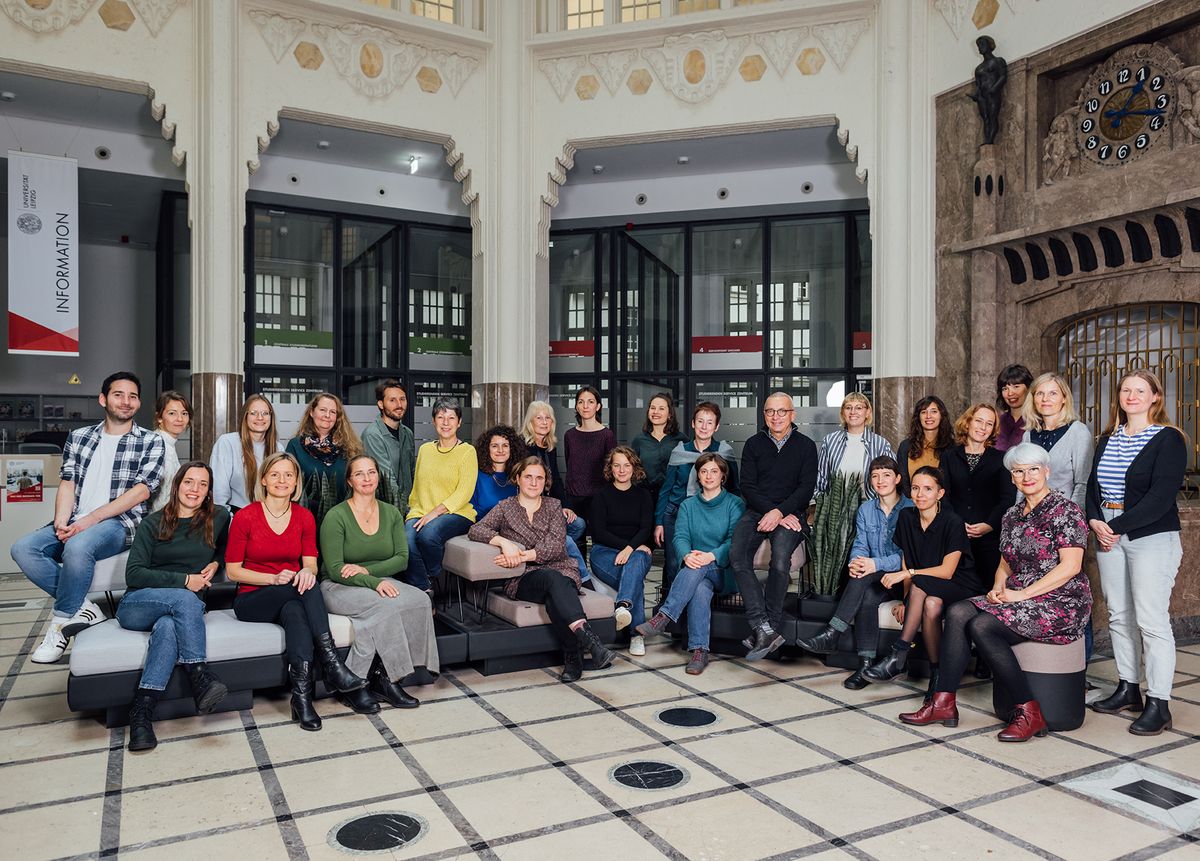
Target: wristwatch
{"points": [[912, 572]]}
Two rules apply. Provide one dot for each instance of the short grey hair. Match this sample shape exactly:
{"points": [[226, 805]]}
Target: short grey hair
{"points": [[1027, 453], [442, 405]]}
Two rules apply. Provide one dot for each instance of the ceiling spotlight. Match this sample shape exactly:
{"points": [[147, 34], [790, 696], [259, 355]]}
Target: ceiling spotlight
{"points": [[8, 96], [597, 168], [323, 144], [683, 159], [413, 163]]}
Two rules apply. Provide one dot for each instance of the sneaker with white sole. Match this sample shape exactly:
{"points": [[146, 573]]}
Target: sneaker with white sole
{"points": [[89, 614], [53, 644], [637, 645], [622, 616]]}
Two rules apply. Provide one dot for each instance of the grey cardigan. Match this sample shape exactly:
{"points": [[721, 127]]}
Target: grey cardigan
{"points": [[1070, 463]]}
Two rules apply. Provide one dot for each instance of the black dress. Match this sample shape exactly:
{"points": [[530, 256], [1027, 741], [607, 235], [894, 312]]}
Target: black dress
{"points": [[927, 548], [979, 495]]}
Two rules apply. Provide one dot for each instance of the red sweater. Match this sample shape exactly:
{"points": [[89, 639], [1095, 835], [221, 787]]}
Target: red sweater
{"points": [[254, 544]]}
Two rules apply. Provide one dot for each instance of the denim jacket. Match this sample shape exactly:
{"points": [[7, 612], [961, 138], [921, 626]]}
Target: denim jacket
{"points": [[873, 534]]}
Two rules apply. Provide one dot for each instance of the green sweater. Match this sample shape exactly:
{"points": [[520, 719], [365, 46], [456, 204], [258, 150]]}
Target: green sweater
{"points": [[156, 564], [343, 542], [707, 524]]}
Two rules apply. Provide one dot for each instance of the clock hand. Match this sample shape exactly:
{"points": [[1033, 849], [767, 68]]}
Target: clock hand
{"points": [[1152, 112]]}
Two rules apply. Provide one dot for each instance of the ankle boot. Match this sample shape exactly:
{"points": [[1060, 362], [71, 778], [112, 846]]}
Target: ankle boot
{"points": [[858, 680], [572, 666], [1025, 723], [141, 720], [360, 701], [602, 658], [1127, 697], [337, 675], [302, 691], [888, 668], [1155, 717], [824, 643], [766, 640], [940, 708], [207, 689], [386, 691], [934, 675]]}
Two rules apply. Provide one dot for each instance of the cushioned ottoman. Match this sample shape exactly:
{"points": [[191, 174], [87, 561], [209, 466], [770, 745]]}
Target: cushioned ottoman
{"points": [[524, 614], [1057, 678], [473, 562]]}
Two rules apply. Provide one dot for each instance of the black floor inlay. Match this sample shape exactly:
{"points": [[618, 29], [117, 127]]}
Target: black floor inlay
{"points": [[377, 832], [687, 716], [1154, 793], [644, 774]]}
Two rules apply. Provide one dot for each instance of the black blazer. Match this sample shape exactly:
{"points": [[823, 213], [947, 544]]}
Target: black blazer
{"points": [[1151, 484], [981, 496]]}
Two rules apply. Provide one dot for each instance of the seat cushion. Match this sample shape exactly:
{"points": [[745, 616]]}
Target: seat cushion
{"points": [[342, 629], [109, 574], [762, 557], [887, 622], [109, 648], [473, 561], [526, 614], [1056, 658]]}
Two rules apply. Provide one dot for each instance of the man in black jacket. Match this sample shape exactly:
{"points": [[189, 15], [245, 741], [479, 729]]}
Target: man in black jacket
{"points": [[779, 475]]}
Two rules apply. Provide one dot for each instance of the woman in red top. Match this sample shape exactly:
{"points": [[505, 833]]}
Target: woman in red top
{"points": [[272, 556]]}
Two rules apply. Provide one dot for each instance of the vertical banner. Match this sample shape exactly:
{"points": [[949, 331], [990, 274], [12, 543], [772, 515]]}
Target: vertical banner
{"points": [[43, 255]]}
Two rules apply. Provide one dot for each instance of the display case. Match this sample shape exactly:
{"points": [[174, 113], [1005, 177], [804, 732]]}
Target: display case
{"points": [[44, 419]]}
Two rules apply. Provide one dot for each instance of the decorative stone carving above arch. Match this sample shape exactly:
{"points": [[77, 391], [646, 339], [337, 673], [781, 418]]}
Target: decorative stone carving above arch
{"points": [[264, 141], [561, 72], [454, 68], [612, 66], [470, 197], [154, 13], [840, 38], [556, 177], [56, 15], [781, 46], [158, 111], [278, 31], [693, 66], [372, 60]]}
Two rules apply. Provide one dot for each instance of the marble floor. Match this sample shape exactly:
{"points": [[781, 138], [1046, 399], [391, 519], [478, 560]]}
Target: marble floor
{"points": [[766, 760]]}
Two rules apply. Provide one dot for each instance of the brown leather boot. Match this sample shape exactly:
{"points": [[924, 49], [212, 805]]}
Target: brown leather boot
{"points": [[1025, 723], [940, 708]]}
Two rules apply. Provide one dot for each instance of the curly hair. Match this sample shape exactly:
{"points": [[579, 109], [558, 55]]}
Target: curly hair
{"points": [[516, 446], [963, 424], [639, 471], [916, 433]]}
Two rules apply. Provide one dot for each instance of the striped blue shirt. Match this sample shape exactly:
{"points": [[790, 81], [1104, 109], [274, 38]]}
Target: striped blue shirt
{"points": [[1118, 454]]}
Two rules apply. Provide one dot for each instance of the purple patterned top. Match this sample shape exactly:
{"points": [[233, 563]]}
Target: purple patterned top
{"points": [[1030, 544]]}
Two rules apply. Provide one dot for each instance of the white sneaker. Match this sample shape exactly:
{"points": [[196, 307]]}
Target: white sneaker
{"points": [[637, 645], [623, 617], [53, 644], [89, 614]]}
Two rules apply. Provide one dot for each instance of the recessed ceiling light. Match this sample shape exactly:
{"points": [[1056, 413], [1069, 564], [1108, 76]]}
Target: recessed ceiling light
{"points": [[323, 144], [7, 96], [683, 159], [597, 168]]}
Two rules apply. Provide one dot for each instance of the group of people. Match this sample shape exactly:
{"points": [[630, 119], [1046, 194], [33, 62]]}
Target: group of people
{"points": [[977, 525]]}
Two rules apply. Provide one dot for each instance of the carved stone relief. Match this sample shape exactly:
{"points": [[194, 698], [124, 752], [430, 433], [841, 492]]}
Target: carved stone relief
{"points": [[954, 12], [362, 54], [454, 68], [278, 31], [56, 16], [840, 38], [154, 13], [693, 66], [561, 73], [781, 46], [611, 66]]}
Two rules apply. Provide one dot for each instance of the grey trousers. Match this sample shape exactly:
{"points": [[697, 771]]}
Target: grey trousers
{"points": [[399, 630]]}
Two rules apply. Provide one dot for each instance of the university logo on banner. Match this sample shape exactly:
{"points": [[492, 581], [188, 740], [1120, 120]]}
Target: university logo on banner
{"points": [[43, 255]]}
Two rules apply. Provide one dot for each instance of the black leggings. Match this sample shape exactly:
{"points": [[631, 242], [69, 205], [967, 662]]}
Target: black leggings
{"points": [[558, 592], [859, 606], [303, 617], [966, 623]]}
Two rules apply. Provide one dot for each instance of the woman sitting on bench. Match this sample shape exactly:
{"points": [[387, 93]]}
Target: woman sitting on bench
{"points": [[536, 522], [362, 548], [272, 556], [174, 556]]}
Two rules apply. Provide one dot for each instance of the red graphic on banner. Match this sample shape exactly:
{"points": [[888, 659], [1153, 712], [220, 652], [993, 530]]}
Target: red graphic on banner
{"points": [[25, 334], [573, 349], [728, 344], [861, 341]]}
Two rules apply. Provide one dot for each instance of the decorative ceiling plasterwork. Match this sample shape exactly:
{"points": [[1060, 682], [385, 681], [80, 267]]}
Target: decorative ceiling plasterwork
{"points": [[693, 66], [781, 46], [954, 12], [454, 68], [154, 13], [57, 16], [840, 38], [612, 67], [561, 73], [278, 31]]}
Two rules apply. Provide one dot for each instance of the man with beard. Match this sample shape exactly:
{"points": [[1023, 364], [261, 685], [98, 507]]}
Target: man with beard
{"points": [[109, 472], [392, 445]]}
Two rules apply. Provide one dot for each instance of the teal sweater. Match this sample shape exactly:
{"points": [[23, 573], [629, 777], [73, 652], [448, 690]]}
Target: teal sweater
{"points": [[707, 524]]}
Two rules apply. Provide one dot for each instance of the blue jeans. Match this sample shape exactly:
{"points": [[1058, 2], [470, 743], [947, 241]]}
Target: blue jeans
{"points": [[425, 548], [575, 530], [175, 620], [64, 570], [629, 579], [692, 590]]}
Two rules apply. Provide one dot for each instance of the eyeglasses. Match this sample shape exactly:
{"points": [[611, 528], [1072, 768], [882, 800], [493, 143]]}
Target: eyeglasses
{"points": [[259, 414], [1031, 471], [773, 413]]}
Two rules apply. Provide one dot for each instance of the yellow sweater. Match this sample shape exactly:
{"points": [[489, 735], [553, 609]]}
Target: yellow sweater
{"points": [[444, 478]]}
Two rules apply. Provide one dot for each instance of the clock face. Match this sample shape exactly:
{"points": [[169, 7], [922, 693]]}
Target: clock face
{"points": [[1125, 109]]}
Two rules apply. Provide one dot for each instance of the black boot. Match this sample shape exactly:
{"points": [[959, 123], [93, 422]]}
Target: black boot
{"points": [[857, 681], [765, 642], [602, 658], [1155, 717], [1127, 697], [886, 669], [572, 666], [824, 643], [360, 702], [207, 689], [302, 691], [141, 720], [386, 691], [337, 676], [933, 682]]}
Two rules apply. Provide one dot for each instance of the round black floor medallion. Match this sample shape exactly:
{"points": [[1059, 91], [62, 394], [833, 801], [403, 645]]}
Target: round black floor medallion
{"points": [[644, 774], [377, 833], [687, 716]]}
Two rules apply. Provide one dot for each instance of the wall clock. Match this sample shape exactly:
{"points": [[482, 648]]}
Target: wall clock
{"points": [[1126, 105]]}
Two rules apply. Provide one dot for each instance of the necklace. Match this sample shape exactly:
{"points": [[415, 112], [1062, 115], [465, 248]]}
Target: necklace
{"points": [[500, 482], [286, 511], [371, 511], [438, 445]]}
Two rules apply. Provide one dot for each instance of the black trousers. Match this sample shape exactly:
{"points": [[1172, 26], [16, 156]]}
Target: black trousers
{"points": [[966, 624], [859, 606], [303, 617], [557, 591]]}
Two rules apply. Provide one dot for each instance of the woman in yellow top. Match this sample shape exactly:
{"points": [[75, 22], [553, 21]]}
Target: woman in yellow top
{"points": [[440, 505]]}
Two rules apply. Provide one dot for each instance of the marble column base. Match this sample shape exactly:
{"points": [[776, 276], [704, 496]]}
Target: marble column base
{"points": [[895, 398], [503, 403], [216, 399]]}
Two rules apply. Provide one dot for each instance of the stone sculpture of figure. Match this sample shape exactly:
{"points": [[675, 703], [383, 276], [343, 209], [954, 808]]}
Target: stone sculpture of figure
{"points": [[1189, 99], [1061, 148], [990, 77]]}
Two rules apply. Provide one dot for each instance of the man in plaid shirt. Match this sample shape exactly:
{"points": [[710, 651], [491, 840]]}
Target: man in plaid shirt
{"points": [[109, 472]]}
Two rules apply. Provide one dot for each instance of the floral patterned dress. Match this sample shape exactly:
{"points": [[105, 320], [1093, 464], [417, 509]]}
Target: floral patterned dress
{"points": [[1030, 544]]}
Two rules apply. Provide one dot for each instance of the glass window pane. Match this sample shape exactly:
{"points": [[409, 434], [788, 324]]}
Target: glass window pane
{"points": [[862, 288], [649, 301], [439, 304], [739, 400], [367, 274], [572, 304], [425, 393], [808, 293], [635, 397], [818, 401], [727, 297], [293, 272]]}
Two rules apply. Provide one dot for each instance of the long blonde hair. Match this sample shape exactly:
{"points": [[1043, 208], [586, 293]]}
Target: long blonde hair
{"points": [[535, 408], [1033, 419], [270, 442], [1158, 412], [343, 434]]}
